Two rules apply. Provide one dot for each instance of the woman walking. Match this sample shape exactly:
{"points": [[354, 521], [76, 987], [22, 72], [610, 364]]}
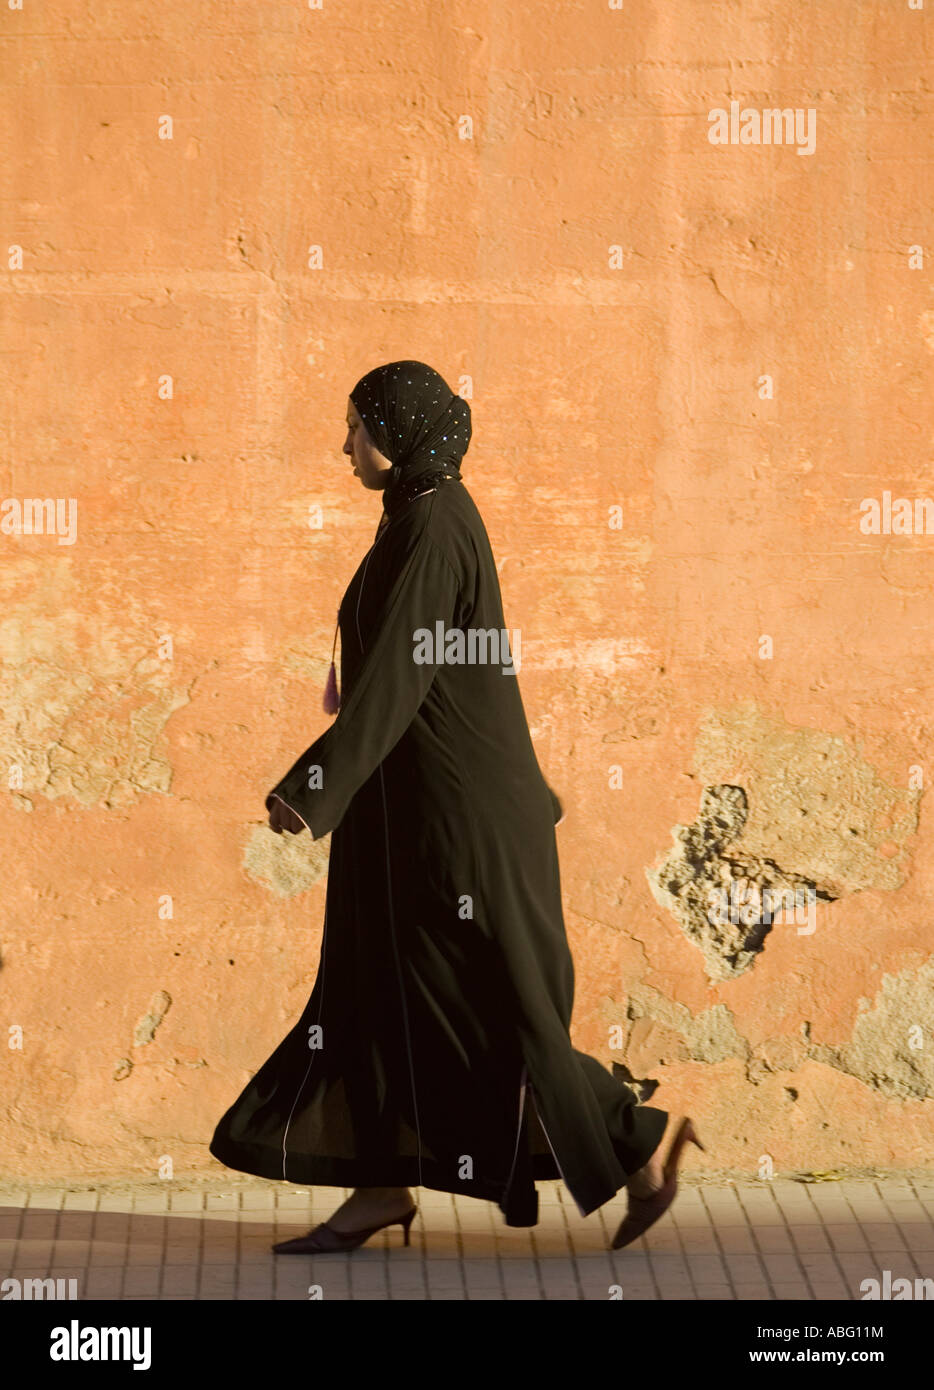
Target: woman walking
{"points": [[434, 1049]]}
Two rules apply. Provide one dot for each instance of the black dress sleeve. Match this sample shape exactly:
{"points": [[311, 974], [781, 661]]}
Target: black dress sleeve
{"points": [[387, 692]]}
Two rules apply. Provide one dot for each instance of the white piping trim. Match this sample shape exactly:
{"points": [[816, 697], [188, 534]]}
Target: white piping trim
{"points": [[538, 1112], [522, 1086], [392, 923], [324, 941], [325, 928], [294, 812]]}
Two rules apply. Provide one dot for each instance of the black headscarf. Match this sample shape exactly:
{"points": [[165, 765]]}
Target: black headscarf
{"points": [[416, 420]]}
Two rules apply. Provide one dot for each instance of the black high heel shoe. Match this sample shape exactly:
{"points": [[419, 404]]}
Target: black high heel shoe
{"points": [[324, 1240], [643, 1212]]}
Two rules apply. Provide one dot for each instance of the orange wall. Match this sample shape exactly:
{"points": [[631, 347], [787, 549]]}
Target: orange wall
{"points": [[526, 197]]}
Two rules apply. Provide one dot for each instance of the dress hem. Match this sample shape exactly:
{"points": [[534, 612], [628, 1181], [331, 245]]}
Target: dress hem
{"points": [[315, 1171]]}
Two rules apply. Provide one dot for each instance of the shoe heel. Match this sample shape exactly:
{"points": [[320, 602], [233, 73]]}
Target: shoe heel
{"points": [[686, 1133], [690, 1135], [406, 1223]]}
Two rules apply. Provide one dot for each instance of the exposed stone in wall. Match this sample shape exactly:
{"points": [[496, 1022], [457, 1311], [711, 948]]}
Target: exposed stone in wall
{"points": [[815, 805], [146, 1027], [288, 864], [145, 1030], [710, 1037], [892, 1047], [83, 702], [812, 820], [703, 865]]}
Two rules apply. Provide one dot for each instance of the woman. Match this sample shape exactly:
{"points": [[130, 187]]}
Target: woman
{"points": [[434, 1050]]}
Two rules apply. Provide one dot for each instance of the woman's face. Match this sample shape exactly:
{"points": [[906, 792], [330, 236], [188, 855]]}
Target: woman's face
{"points": [[370, 466]]}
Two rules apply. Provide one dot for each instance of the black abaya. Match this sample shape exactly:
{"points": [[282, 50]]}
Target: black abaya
{"points": [[435, 1048]]}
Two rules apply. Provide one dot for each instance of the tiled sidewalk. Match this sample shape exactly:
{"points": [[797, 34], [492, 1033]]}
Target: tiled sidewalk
{"points": [[722, 1239]]}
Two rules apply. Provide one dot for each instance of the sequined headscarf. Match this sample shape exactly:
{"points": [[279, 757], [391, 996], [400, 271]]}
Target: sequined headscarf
{"points": [[416, 420]]}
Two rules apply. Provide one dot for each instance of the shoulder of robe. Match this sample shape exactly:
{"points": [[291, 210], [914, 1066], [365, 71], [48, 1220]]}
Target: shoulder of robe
{"points": [[446, 520], [456, 528]]}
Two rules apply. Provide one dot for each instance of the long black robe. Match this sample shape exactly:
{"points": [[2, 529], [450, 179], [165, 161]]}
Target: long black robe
{"points": [[442, 1003]]}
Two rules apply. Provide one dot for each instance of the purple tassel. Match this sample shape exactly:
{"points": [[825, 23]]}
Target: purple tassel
{"points": [[332, 700]]}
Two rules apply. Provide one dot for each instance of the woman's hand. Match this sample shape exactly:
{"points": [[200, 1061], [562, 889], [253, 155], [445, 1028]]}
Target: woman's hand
{"points": [[282, 817]]}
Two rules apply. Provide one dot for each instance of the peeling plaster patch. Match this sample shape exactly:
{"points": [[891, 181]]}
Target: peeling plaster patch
{"points": [[288, 864], [122, 1069], [802, 811], [83, 700], [146, 1028], [815, 805], [702, 865], [670, 1034], [710, 1037], [892, 1047]]}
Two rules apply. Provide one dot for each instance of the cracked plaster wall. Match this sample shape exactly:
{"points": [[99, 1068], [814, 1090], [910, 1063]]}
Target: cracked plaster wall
{"points": [[157, 940]]}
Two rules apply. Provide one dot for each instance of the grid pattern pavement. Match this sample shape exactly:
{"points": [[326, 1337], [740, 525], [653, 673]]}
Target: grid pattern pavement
{"points": [[724, 1238]]}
